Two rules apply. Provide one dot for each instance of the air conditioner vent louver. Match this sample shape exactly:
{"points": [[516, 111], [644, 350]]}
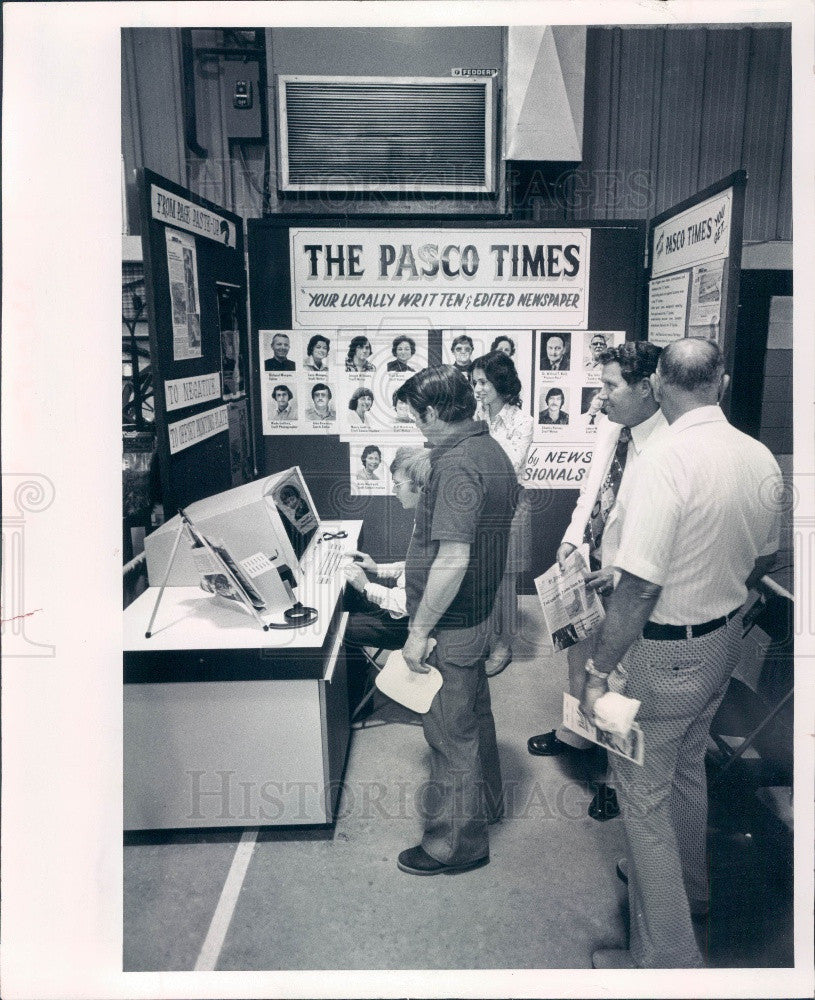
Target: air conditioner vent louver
{"points": [[385, 134]]}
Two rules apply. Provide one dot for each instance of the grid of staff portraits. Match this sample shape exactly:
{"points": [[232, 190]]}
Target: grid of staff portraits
{"points": [[342, 382], [567, 383]]}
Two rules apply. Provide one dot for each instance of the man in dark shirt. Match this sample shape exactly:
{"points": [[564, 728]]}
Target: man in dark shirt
{"points": [[280, 361], [453, 568]]}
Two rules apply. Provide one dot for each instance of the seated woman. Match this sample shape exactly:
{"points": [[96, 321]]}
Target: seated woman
{"points": [[378, 613]]}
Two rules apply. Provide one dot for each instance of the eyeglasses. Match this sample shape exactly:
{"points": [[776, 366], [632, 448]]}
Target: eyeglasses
{"points": [[397, 483]]}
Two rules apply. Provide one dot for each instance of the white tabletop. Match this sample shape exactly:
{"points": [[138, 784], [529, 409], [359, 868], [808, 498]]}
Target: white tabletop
{"points": [[189, 618]]}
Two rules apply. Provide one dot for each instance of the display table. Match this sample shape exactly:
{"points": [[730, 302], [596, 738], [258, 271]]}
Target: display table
{"points": [[228, 725]]}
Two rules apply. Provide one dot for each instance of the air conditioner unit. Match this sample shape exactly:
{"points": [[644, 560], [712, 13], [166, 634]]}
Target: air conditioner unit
{"points": [[402, 134]]}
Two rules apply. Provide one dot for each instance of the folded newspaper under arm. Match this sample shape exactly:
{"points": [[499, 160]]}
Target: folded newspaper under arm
{"points": [[630, 744], [571, 612]]}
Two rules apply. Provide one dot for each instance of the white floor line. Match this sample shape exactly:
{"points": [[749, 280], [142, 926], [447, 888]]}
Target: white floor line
{"points": [[222, 917]]}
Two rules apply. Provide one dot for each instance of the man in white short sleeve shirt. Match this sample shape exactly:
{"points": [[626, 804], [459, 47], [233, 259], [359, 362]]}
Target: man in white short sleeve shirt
{"points": [[700, 527], [628, 400]]}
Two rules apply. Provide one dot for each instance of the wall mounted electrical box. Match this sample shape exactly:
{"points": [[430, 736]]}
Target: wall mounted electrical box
{"points": [[241, 99]]}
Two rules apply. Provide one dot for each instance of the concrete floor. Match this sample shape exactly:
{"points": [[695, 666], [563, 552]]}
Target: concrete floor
{"points": [[334, 899]]}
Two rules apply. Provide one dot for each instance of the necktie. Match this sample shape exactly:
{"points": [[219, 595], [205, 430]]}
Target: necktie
{"points": [[592, 419], [606, 496]]}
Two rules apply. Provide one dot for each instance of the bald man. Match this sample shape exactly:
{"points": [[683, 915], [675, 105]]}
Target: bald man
{"points": [[698, 531]]}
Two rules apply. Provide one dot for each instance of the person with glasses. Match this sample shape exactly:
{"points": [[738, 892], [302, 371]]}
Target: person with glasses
{"points": [[376, 596]]}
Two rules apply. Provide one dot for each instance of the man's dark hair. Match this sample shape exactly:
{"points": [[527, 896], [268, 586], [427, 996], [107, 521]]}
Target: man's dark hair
{"points": [[501, 373], [285, 389], [321, 385], [637, 359], [442, 387], [691, 363], [556, 392], [462, 338]]}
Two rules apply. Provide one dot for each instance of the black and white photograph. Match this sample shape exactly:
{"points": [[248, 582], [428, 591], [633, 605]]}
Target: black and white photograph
{"points": [[430, 300]]}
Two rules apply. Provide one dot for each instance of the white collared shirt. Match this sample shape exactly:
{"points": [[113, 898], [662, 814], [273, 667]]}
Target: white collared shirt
{"points": [[606, 442], [701, 508], [513, 430]]}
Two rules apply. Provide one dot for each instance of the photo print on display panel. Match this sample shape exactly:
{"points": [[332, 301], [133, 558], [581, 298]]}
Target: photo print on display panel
{"points": [[553, 410], [233, 377], [554, 350], [318, 351], [461, 346], [369, 469], [281, 402], [594, 342], [276, 347]]}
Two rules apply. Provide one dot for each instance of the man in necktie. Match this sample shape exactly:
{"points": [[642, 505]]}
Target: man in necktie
{"points": [[555, 356], [633, 417]]}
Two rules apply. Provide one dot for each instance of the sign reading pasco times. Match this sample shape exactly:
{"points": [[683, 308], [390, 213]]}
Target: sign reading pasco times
{"points": [[349, 277], [700, 234]]}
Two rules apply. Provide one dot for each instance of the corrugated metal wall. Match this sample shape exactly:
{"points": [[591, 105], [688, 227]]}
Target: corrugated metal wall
{"points": [[668, 112]]}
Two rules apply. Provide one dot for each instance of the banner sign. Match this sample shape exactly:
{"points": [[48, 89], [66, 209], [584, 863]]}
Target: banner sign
{"points": [[444, 277], [182, 392], [701, 233], [557, 466], [177, 211], [190, 431]]}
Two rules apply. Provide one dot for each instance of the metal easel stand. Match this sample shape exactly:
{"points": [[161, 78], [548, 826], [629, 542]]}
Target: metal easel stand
{"points": [[186, 525]]}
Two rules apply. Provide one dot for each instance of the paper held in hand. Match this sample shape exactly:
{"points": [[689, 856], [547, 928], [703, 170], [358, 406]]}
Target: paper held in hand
{"points": [[631, 745], [571, 612], [399, 682]]}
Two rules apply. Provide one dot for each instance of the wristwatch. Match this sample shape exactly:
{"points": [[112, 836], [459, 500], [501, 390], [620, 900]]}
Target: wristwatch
{"points": [[591, 669]]}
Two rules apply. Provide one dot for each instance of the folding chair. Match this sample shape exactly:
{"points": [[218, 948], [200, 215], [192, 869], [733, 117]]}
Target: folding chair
{"points": [[377, 658], [372, 657]]}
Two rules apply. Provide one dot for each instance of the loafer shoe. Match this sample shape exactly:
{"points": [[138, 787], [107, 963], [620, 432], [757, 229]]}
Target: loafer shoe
{"points": [[604, 805], [416, 861], [612, 958], [548, 745]]}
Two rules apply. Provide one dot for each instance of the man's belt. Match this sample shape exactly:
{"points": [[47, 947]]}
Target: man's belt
{"points": [[654, 631]]}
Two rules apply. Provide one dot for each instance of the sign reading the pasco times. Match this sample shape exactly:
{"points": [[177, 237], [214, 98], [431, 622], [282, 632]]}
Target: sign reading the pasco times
{"points": [[444, 277], [700, 234]]}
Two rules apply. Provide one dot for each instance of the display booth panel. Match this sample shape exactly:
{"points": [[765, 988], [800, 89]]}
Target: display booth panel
{"points": [[196, 298], [694, 251], [453, 286]]}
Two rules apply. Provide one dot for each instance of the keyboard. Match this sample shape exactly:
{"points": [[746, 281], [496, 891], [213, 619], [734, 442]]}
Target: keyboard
{"points": [[330, 559]]}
